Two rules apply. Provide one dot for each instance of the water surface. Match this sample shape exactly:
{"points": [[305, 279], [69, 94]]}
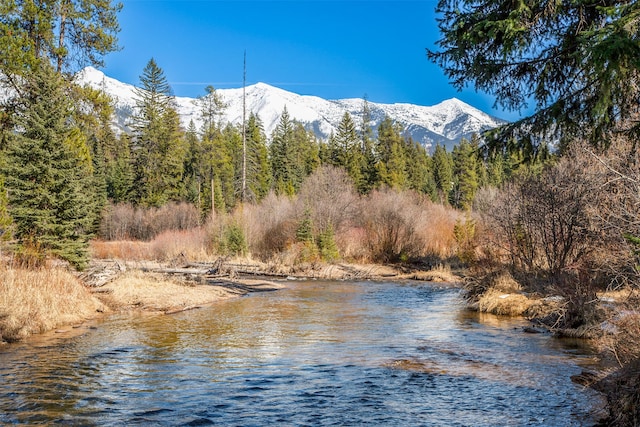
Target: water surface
{"points": [[315, 354]]}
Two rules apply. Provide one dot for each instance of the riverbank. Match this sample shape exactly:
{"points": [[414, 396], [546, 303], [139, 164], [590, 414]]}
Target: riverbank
{"points": [[41, 300], [609, 320]]}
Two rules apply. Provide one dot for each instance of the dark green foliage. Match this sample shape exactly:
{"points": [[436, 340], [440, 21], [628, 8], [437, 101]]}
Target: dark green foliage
{"points": [[345, 150], [420, 170], [61, 31], [443, 172], [258, 167], [391, 159], [158, 145], [465, 171], [572, 59], [5, 219], [327, 245], [234, 242], [49, 173], [294, 154], [304, 232], [367, 165]]}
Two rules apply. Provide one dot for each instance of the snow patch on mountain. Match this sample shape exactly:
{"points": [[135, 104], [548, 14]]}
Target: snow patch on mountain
{"points": [[445, 123]]}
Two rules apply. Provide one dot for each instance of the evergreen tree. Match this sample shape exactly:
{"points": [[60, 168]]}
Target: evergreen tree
{"points": [[368, 169], [49, 173], [307, 150], [192, 166], [465, 167], [327, 245], [56, 30], [345, 150], [420, 170], [443, 172], [5, 219], [212, 108], [119, 174], [258, 168], [159, 148], [573, 59], [283, 156], [304, 232], [216, 149], [390, 149]]}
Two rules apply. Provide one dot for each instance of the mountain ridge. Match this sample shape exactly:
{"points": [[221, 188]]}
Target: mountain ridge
{"points": [[444, 123]]}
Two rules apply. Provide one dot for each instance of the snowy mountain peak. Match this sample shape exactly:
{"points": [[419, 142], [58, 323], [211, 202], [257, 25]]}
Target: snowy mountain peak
{"points": [[445, 123]]}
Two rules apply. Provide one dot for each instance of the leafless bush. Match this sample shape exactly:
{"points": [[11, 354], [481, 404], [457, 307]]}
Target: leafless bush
{"points": [[270, 225], [542, 223], [126, 222], [617, 213], [331, 198], [392, 220]]}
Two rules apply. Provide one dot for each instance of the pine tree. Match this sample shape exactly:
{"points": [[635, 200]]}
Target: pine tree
{"points": [[345, 150], [573, 59], [390, 149], [159, 148], [62, 31], [370, 178], [283, 156], [6, 222], [327, 245], [420, 170], [49, 174], [212, 108], [258, 167], [119, 174], [443, 172], [465, 166], [192, 166]]}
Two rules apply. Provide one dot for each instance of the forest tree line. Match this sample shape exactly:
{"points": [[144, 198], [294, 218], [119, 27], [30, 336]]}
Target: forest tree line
{"points": [[63, 163], [161, 162]]}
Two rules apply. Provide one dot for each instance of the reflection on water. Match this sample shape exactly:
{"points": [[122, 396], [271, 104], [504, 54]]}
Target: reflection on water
{"points": [[314, 354]]}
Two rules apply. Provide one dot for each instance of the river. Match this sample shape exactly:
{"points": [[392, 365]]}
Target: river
{"points": [[314, 354]]}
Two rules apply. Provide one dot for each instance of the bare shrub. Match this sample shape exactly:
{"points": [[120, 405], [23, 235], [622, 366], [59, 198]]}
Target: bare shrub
{"points": [[391, 220], [123, 249], [330, 196], [181, 245], [270, 226], [545, 224], [126, 222], [617, 211], [438, 229], [404, 225]]}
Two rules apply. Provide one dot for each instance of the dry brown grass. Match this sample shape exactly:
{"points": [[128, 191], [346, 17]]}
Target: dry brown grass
{"points": [[495, 301], [36, 301], [182, 245], [155, 292], [125, 249], [440, 274]]}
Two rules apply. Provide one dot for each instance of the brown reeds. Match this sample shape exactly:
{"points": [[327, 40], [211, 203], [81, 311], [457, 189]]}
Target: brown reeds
{"points": [[39, 300]]}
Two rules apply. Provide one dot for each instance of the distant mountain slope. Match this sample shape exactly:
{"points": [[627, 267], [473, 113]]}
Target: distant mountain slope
{"points": [[445, 123]]}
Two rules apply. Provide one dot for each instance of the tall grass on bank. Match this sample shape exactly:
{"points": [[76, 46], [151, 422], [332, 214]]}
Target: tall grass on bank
{"points": [[36, 301]]}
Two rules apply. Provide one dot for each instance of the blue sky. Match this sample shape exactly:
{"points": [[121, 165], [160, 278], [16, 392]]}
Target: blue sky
{"points": [[328, 48]]}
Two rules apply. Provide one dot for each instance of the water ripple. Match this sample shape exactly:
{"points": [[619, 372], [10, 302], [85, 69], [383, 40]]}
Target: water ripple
{"points": [[317, 354]]}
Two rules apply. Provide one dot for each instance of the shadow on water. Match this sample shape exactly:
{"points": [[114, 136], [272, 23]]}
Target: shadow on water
{"points": [[317, 353]]}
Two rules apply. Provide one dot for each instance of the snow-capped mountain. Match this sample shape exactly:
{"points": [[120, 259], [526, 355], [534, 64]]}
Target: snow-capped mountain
{"points": [[445, 123]]}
